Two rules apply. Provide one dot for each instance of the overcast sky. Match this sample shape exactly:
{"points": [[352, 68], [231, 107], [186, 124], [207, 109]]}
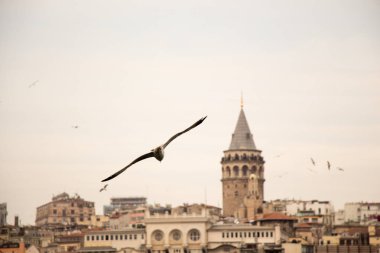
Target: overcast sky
{"points": [[132, 73]]}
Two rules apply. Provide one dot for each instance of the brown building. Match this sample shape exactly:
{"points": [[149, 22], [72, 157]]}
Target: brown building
{"points": [[242, 174], [12, 247], [65, 210]]}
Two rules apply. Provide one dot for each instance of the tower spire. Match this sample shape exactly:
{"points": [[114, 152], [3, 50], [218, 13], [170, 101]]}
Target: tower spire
{"points": [[241, 101]]}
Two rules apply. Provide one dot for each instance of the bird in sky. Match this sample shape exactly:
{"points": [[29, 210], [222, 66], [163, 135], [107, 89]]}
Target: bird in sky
{"points": [[76, 126], [32, 84], [340, 169], [328, 165], [312, 161], [157, 153], [104, 188]]}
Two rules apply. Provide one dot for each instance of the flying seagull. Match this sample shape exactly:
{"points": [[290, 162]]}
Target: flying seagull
{"points": [[340, 169], [158, 152], [104, 188], [328, 165], [32, 84], [312, 161], [76, 126]]}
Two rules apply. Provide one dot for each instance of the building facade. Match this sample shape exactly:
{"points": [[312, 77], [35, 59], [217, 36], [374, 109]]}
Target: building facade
{"points": [[124, 204], [242, 174], [3, 214], [65, 210]]}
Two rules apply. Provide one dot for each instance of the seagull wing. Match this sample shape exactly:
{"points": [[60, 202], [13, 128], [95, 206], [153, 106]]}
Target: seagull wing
{"points": [[147, 155], [184, 131]]}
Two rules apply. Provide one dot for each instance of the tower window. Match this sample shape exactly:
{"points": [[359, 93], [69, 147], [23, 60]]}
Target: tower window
{"points": [[236, 193], [236, 171]]}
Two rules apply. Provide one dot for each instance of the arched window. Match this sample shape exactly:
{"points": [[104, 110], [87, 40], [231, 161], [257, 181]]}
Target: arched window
{"points": [[236, 171], [244, 157], [176, 235], [236, 157], [157, 235], [245, 170], [253, 170], [228, 171], [194, 235]]}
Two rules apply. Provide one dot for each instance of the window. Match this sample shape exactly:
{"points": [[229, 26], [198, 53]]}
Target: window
{"points": [[92, 238], [135, 236], [125, 237], [266, 234], [130, 237], [102, 237], [88, 238], [271, 234], [111, 237], [158, 235], [176, 235], [97, 238], [142, 236], [223, 235], [241, 235], [107, 237], [249, 234], [72, 211], [236, 234], [54, 211], [194, 235], [236, 171], [116, 237]]}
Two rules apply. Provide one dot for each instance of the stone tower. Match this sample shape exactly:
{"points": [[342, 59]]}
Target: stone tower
{"points": [[242, 174]]}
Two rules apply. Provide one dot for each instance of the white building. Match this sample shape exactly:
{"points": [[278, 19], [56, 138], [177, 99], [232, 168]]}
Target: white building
{"points": [[185, 233], [352, 212]]}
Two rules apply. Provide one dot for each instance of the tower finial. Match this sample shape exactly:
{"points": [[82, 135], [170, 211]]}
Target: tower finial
{"points": [[241, 101]]}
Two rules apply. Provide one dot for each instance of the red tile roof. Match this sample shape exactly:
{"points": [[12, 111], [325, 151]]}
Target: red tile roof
{"points": [[276, 216]]}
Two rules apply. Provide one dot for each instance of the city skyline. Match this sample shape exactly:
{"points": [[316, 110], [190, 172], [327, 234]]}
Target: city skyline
{"points": [[85, 87]]}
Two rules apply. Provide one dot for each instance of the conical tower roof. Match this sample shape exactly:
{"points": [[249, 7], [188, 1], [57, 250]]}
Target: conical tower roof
{"points": [[242, 138]]}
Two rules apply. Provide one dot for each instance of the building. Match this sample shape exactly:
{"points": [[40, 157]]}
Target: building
{"points": [[284, 222], [128, 239], [124, 204], [242, 174], [3, 214], [339, 217], [70, 242], [100, 221], [64, 210], [364, 213], [12, 247], [307, 211]]}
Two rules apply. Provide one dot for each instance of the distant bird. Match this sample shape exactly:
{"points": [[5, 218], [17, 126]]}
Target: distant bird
{"points": [[158, 152], [104, 188], [312, 161], [32, 84], [284, 174], [340, 169], [328, 165], [76, 126]]}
